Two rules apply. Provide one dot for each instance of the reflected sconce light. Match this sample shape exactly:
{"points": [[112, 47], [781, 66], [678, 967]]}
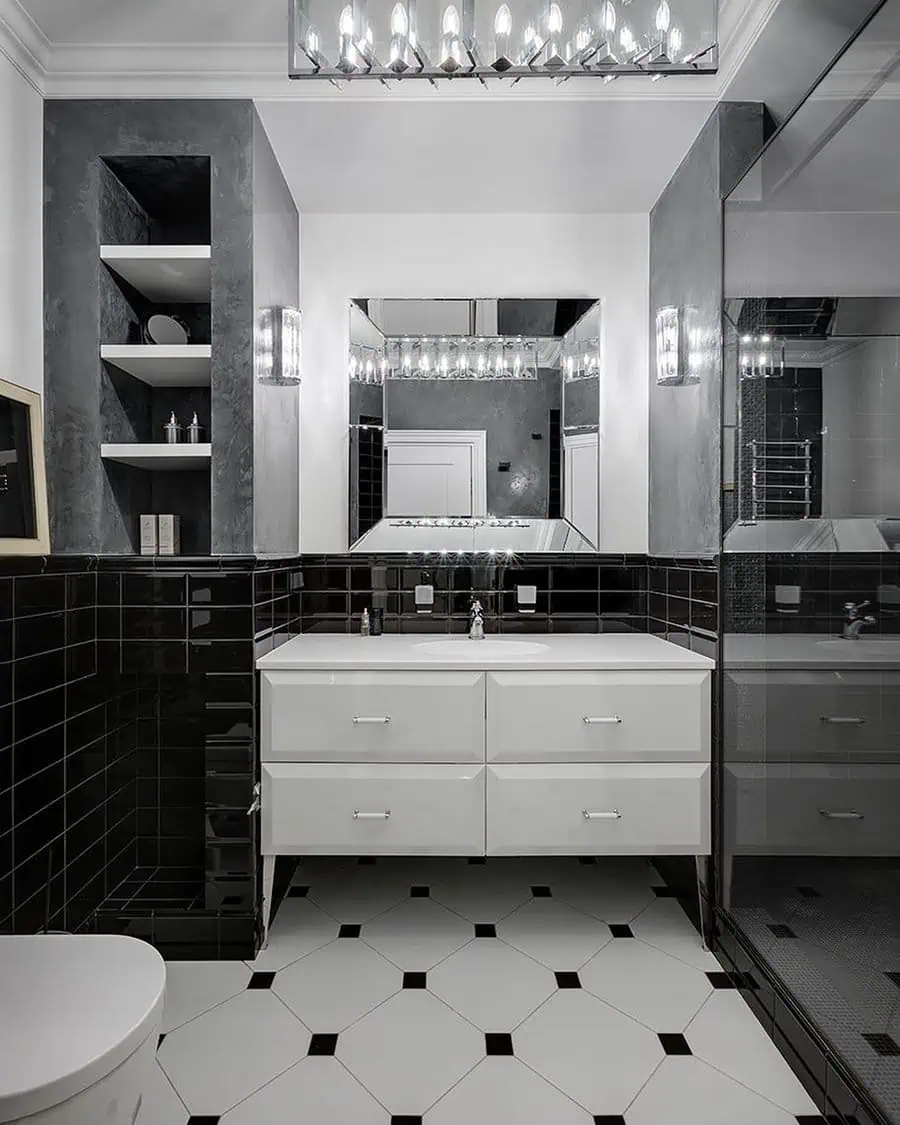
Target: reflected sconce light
{"points": [[278, 346], [670, 346]]}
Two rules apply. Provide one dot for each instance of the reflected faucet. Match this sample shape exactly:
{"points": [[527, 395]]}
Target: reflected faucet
{"points": [[476, 627], [855, 621]]}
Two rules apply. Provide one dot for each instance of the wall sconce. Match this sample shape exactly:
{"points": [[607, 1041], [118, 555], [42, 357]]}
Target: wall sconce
{"points": [[670, 345], [278, 346]]}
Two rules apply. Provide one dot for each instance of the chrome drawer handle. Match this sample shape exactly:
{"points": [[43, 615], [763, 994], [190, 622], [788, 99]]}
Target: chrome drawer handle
{"points": [[841, 720], [613, 814], [376, 719], [386, 815], [852, 814], [600, 719]]}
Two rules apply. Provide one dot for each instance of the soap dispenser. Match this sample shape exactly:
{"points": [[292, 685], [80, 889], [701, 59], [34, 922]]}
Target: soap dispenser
{"points": [[172, 430], [195, 431]]}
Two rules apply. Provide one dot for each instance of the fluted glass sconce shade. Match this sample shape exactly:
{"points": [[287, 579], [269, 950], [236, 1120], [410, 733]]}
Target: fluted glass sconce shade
{"points": [[488, 39], [277, 345], [670, 365]]}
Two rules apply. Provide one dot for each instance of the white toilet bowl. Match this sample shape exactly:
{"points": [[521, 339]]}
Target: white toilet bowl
{"points": [[79, 1020]]}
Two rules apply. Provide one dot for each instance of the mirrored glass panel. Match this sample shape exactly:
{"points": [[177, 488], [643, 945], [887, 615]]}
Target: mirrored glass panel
{"points": [[474, 425]]}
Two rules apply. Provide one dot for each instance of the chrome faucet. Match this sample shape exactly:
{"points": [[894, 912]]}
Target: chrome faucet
{"points": [[476, 627], [855, 620]]}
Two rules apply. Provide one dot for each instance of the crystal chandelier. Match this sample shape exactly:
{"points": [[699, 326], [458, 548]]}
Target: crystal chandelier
{"points": [[581, 359], [447, 40], [761, 356], [448, 357]]}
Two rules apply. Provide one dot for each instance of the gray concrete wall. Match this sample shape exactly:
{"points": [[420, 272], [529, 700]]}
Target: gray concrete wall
{"points": [[686, 271], [276, 409], [90, 510]]}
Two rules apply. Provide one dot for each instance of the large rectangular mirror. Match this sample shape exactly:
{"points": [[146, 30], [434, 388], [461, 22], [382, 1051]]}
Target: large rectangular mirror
{"points": [[24, 524], [474, 425]]}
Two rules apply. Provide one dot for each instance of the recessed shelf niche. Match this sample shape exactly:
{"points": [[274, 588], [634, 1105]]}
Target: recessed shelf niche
{"points": [[155, 257]]}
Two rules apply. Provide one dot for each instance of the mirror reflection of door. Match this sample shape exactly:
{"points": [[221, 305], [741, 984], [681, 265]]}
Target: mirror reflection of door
{"points": [[581, 488], [437, 472]]}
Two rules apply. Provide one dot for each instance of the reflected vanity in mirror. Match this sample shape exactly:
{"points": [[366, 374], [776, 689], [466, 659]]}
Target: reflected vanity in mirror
{"points": [[474, 425], [24, 525]]}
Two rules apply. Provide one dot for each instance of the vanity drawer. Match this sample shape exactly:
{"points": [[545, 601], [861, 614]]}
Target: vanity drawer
{"points": [[812, 809], [373, 716], [598, 716], [598, 810], [343, 810], [799, 715]]}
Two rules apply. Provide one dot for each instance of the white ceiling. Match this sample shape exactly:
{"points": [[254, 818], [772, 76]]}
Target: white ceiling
{"points": [[581, 147], [500, 156]]}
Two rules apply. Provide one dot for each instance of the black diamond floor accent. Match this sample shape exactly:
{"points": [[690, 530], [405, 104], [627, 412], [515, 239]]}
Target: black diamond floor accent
{"points": [[477, 859], [587, 860], [567, 980], [420, 892], [498, 1043], [541, 892], [780, 930], [203, 1119], [414, 980], [721, 980], [882, 1044], [618, 929], [297, 892], [159, 1041], [322, 1045], [366, 861], [347, 930], [808, 892], [609, 1119], [405, 1119], [674, 1043], [894, 978], [485, 929], [665, 892], [261, 980]]}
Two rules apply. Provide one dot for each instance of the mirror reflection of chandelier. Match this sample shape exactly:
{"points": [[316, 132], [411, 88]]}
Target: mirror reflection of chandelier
{"points": [[761, 356], [446, 357], [445, 40], [581, 359]]}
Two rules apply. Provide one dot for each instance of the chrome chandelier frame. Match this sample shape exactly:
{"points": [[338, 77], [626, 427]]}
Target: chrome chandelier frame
{"points": [[603, 45]]}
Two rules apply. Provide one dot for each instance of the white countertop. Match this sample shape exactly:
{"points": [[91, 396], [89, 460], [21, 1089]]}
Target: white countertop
{"points": [[808, 650], [577, 651]]}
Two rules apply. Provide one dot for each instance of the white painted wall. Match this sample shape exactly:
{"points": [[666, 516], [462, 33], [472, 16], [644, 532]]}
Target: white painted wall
{"points": [[21, 204], [860, 418], [542, 255]]}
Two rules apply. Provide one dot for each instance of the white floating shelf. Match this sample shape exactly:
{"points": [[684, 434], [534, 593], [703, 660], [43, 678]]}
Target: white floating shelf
{"points": [[178, 274], [162, 365], [159, 456]]}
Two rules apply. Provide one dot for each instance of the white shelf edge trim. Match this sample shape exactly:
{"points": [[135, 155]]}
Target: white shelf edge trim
{"points": [[156, 253], [149, 455]]}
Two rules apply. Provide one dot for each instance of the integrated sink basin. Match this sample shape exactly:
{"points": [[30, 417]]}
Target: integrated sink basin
{"points": [[865, 646], [475, 648]]}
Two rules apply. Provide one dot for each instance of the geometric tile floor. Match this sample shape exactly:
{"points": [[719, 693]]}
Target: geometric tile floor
{"points": [[437, 991]]}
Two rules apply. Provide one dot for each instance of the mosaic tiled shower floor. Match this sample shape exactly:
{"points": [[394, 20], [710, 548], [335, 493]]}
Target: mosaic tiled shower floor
{"points": [[443, 992], [830, 928]]}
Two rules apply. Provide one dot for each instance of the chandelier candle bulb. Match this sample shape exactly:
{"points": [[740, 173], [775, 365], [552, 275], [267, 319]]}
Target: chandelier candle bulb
{"points": [[555, 58], [348, 56], [502, 31], [451, 49]]}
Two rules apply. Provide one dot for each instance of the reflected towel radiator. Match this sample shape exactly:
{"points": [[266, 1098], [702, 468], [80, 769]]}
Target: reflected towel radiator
{"points": [[781, 479]]}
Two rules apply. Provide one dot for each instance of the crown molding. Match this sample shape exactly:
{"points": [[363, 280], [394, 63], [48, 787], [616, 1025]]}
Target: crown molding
{"points": [[24, 44]]}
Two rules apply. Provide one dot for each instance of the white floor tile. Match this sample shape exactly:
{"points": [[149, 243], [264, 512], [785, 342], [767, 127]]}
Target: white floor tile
{"points": [[640, 980], [609, 898], [502, 1089], [358, 894], [228, 1053], [687, 1091], [727, 1035], [492, 984], [410, 1051], [193, 987], [336, 985], [317, 1091], [666, 926], [299, 928], [160, 1105], [588, 1050], [417, 934], [482, 893], [554, 934]]}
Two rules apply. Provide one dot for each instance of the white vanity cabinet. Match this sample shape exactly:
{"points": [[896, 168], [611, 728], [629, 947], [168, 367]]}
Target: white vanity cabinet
{"points": [[590, 745]]}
